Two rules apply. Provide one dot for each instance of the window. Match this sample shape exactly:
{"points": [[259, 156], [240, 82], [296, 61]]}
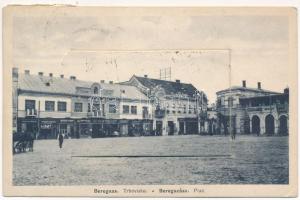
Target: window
{"points": [[78, 107], [125, 109], [112, 108], [96, 90], [49, 105], [62, 106], [29, 104], [133, 110]]}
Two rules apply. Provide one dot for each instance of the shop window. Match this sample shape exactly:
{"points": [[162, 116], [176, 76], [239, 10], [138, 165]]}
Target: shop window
{"points": [[125, 109], [62, 106], [49, 105], [133, 110], [78, 107], [112, 108]]}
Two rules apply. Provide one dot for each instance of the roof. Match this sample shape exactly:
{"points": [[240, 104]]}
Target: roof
{"points": [[248, 89], [273, 96], [58, 85], [170, 87]]}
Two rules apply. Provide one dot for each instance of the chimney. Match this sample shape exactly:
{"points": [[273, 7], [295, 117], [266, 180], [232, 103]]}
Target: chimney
{"points": [[27, 72], [61, 76], [286, 91], [73, 77], [102, 81], [259, 85], [146, 76], [41, 73], [177, 81], [50, 74], [15, 73], [244, 83], [111, 82]]}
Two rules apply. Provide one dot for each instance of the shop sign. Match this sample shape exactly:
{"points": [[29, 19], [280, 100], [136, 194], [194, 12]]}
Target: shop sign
{"points": [[66, 121], [83, 121]]}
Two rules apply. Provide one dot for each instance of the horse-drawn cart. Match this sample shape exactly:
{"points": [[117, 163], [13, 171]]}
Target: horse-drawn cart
{"points": [[22, 142]]}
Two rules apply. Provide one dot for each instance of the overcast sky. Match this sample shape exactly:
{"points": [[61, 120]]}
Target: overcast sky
{"points": [[63, 42]]}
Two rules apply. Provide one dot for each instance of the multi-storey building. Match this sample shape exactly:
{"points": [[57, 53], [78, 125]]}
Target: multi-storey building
{"points": [[178, 108], [245, 110], [48, 105]]}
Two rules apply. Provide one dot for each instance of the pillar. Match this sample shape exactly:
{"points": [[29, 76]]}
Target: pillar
{"points": [[262, 125], [184, 127], [276, 124]]}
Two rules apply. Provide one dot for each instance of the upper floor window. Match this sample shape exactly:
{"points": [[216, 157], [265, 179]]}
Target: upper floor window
{"points": [[78, 107], [133, 110], [112, 108], [125, 109], [49, 105], [62, 106], [29, 104], [230, 101]]}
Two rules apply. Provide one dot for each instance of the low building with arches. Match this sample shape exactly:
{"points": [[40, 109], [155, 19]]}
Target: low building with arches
{"points": [[245, 110]]}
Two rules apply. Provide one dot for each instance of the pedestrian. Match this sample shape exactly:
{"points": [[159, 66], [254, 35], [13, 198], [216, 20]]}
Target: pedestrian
{"points": [[60, 139]]}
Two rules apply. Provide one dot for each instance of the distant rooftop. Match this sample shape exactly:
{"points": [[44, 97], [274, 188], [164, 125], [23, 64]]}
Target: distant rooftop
{"points": [[170, 87]]}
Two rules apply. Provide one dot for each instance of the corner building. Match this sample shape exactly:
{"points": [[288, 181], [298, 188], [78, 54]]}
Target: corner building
{"points": [[177, 108], [48, 105]]}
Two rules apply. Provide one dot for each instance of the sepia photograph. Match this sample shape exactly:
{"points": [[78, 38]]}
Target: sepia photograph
{"points": [[152, 97]]}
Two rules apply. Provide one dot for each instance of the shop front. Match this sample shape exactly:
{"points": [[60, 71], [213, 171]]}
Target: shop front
{"points": [[83, 128], [48, 129], [188, 126], [28, 125], [66, 127]]}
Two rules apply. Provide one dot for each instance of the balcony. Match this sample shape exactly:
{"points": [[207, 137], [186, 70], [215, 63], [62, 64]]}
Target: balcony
{"points": [[282, 108], [31, 113], [160, 113], [95, 114]]}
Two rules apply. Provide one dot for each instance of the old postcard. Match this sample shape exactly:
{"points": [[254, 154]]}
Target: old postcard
{"points": [[150, 102]]}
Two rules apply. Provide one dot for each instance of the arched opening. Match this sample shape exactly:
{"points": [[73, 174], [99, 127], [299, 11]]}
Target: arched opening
{"points": [[255, 125], [283, 127], [269, 124]]}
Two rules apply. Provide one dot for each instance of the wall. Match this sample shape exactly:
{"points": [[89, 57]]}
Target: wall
{"points": [[42, 98]]}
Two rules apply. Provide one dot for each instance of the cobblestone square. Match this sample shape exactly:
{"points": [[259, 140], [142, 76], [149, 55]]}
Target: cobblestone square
{"points": [[189, 159]]}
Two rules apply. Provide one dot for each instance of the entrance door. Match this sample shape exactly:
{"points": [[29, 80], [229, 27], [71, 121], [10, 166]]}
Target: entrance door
{"points": [[170, 128], [255, 125], [181, 128], [159, 127]]}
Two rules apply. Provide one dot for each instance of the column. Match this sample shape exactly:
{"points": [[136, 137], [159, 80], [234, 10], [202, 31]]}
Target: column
{"points": [[262, 125], [184, 127], [276, 124]]}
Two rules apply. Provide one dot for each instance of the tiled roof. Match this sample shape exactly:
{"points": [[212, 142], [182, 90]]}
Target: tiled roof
{"points": [[170, 87], [233, 88], [57, 85]]}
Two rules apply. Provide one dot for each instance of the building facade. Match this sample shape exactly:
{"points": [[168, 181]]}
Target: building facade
{"points": [[48, 105], [178, 108], [244, 110]]}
